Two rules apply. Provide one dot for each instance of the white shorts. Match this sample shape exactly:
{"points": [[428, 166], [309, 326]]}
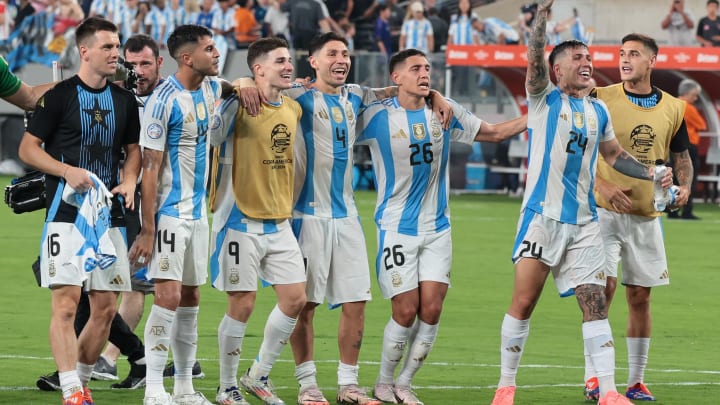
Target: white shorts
{"points": [[336, 259], [637, 241], [56, 252], [403, 261], [181, 250], [574, 253], [239, 258]]}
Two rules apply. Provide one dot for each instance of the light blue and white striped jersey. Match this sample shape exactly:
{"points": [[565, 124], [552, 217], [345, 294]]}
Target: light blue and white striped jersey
{"points": [[324, 152], [226, 212], [176, 121], [155, 19], [493, 27], [123, 18], [416, 34], [410, 152], [564, 135], [462, 30]]}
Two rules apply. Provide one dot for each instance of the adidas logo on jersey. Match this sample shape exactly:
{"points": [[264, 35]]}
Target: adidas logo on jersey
{"points": [[399, 135], [117, 281], [189, 118]]}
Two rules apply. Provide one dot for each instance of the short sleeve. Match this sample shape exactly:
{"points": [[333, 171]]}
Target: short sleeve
{"points": [[222, 122]]}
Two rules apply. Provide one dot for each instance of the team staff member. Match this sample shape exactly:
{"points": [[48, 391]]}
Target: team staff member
{"points": [[15, 91]]}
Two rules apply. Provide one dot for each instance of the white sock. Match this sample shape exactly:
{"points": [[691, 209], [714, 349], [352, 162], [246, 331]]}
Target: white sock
{"points": [[84, 372], [417, 352], [347, 374], [184, 346], [597, 336], [69, 383], [278, 329], [305, 374], [230, 338], [513, 335], [157, 344], [638, 349], [589, 370], [394, 341]]}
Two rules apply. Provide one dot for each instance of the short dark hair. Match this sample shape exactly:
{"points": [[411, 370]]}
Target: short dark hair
{"points": [[90, 26], [138, 42], [646, 40], [186, 34], [400, 57], [561, 47], [263, 46], [714, 2], [321, 39]]}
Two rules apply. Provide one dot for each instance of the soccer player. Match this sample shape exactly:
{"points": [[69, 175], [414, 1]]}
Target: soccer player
{"points": [[84, 123], [410, 151], [558, 228], [650, 126], [174, 135], [251, 234], [326, 220]]}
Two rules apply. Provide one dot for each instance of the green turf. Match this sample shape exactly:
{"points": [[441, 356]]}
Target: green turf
{"points": [[463, 366]]}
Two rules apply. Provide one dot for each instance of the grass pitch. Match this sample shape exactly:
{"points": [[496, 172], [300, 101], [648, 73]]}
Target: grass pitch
{"points": [[463, 366]]}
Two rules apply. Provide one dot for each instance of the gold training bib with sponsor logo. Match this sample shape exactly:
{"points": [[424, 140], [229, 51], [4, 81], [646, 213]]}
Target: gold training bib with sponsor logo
{"points": [[263, 172]]}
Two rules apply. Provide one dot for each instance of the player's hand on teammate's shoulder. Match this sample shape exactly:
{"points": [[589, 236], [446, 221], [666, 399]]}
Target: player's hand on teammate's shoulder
{"points": [[251, 98], [441, 108]]}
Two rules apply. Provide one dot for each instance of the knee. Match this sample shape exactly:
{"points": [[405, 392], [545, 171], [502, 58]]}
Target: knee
{"points": [[430, 313], [405, 314], [638, 297], [522, 307], [167, 298], [295, 303]]}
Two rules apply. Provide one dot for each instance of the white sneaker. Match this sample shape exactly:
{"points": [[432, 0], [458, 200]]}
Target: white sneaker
{"points": [[230, 396], [196, 398], [162, 399], [261, 388], [406, 396], [312, 396], [352, 394], [385, 393]]}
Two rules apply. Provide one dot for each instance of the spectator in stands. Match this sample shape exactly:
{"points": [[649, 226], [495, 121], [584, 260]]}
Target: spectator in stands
{"points": [[169, 15], [205, 17], [417, 32], [156, 23], [363, 11], [276, 20], [306, 19], [24, 9], [260, 11], [344, 6], [708, 29], [461, 30], [496, 31], [138, 22], [680, 23], [382, 34], [223, 25], [440, 29], [525, 20], [246, 26], [124, 17], [397, 17], [689, 91]]}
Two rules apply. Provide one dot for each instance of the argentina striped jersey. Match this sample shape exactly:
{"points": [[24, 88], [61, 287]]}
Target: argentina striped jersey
{"points": [[410, 152], [324, 151], [176, 121], [564, 133]]}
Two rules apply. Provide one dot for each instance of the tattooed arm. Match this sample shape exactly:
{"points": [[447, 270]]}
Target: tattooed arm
{"points": [[684, 174], [537, 76], [625, 163]]}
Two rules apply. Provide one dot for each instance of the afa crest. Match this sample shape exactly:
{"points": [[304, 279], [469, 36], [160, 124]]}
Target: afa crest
{"points": [[418, 131]]}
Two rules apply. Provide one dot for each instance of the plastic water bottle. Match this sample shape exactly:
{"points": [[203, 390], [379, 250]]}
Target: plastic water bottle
{"points": [[663, 198], [660, 195]]}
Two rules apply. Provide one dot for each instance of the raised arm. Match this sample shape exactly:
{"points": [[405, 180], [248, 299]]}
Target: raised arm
{"points": [[537, 76]]}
